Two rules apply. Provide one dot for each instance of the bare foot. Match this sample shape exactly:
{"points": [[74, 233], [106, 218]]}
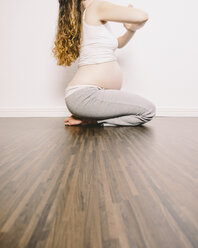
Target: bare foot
{"points": [[73, 120], [68, 118]]}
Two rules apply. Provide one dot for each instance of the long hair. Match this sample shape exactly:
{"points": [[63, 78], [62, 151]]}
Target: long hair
{"points": [[68, 38]]}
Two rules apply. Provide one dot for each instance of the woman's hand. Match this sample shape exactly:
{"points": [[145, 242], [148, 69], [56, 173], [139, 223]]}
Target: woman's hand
{"points": [[133, 26]]}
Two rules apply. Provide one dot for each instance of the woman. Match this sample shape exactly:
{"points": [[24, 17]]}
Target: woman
{"points": [[93, 96]]}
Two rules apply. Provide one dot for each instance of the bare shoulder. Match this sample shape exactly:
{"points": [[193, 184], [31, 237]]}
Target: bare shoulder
{"points": [[91, 16]]}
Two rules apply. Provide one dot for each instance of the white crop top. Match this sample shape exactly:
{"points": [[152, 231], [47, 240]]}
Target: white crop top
{"points": [[98, 43]]}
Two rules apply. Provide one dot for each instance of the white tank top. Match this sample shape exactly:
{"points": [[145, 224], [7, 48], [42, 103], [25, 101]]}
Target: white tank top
{"points": [[98, 43]]}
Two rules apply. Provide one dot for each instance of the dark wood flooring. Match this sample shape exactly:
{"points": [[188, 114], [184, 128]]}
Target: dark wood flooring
{"points": [[98, 187]]}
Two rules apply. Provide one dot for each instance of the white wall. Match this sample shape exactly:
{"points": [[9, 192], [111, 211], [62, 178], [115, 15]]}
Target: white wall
{"points": [[159, 62]]}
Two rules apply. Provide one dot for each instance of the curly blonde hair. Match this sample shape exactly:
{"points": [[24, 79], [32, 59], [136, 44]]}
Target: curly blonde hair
{"points": [[68, 38]]}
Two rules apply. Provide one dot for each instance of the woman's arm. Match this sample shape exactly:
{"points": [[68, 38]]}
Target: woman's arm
{"points": [[107, 11], [131, 28], [124, 39]]}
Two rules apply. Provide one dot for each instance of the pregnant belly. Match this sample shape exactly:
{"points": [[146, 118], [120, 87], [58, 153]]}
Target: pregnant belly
{"points": [[107, 75]]}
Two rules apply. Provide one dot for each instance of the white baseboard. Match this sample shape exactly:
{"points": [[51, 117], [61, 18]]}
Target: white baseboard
{"points": [[63, 112]]}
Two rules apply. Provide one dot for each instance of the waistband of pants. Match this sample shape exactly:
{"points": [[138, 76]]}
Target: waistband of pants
{"points": [[70, 89]]}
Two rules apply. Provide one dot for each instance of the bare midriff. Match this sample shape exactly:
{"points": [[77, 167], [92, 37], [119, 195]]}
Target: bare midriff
{"points": [[107, 75]]}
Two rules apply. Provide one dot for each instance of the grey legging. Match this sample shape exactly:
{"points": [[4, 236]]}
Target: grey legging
{"points": [[110, 107]]}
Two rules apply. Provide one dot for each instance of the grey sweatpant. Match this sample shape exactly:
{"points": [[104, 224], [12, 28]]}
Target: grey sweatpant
{"points": [[110, 107]]}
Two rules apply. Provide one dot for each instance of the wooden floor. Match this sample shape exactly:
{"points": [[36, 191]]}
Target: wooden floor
{"points": [[98, 187]]}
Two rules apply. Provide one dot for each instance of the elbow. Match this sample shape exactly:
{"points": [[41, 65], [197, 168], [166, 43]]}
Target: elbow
{"points": [[144, 17]]}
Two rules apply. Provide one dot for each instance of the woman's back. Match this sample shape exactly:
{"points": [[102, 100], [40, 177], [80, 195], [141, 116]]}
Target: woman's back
{"points": [[98, 44], [97, 62]]}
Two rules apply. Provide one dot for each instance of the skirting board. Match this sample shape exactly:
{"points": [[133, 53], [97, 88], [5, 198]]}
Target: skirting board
{"points": [[63, 112]]}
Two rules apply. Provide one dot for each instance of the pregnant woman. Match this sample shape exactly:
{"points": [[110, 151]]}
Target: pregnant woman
{"points": [[93, 96]]}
